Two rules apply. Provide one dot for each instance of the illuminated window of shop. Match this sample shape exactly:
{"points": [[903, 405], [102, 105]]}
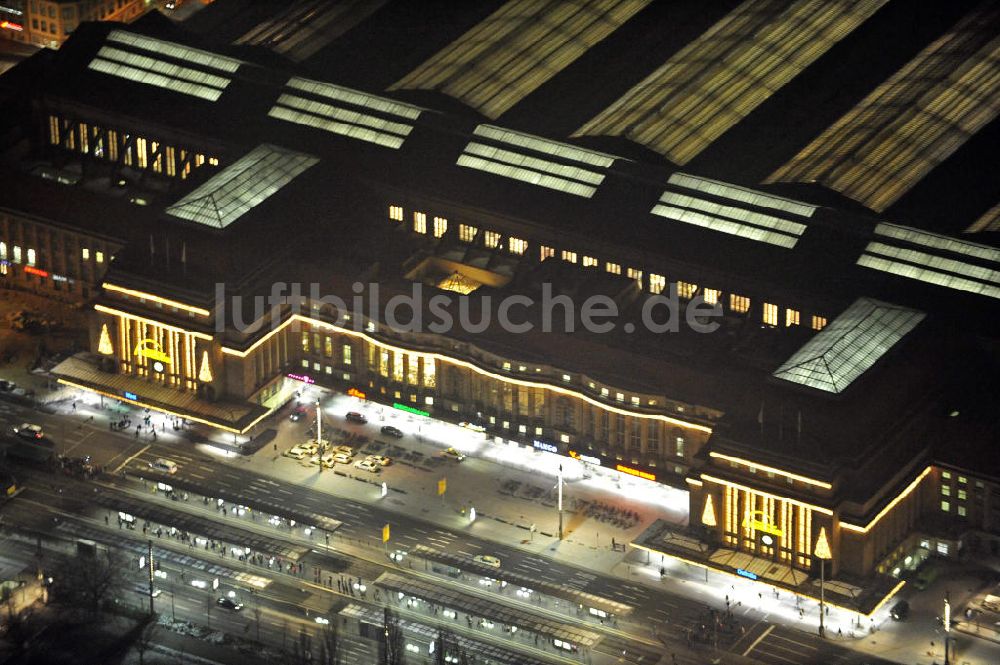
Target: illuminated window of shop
{"points": [[657, 283], [613, 268], [770, 315], [739, 304], [412, 370], [305, 341], [346, 350], [546, 253], [397, 366], [791, 317], [428, 400], [31, 256], [467, 233], [711, 296], [568, 256], [420, 222], [3, 250], [679, 442], [396, 213], [430, 372], [440, 226], [99, 256], [686, 290], [517, 245], [383, 363], [945, 506], [17, 254]]}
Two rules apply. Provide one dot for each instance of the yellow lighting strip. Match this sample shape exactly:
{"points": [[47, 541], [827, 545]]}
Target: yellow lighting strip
{"points": [[693, 481], [151, 322], [162, 410], [462, 363], [889, 506], [771, 469], [720, 481], [149, 296]]}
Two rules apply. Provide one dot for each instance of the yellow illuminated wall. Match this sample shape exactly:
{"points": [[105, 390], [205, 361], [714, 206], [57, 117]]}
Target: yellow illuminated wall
{"points": [[177, 344]]}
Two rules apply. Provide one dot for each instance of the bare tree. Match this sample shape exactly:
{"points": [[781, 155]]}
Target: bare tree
{"points": [[446, 645], [394, 652], [329, 645], [88, 582], [144, 637]]}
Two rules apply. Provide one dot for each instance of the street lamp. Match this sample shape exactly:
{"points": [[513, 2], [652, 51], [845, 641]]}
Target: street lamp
{"points": [[947, 626], [823, 553], [560, 484]]}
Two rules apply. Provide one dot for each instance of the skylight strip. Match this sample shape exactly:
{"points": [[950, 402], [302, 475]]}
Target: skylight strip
{"points": [[736, 214], [166, 68], [934, 261], [173, 50], [990, 221], [346, 115], [537, 144], [356, 98], [927, 275], [741, 194], [725, 226], [344, 129], [937, 241], [519, 159], [151, 78], [524, 175]]}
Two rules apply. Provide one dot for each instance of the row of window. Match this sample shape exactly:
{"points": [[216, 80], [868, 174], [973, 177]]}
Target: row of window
{"points": [[30, 255], [770, 315], [323, 344]]}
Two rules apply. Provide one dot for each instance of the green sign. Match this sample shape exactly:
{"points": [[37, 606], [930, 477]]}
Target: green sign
{"points": [[409, 409]]}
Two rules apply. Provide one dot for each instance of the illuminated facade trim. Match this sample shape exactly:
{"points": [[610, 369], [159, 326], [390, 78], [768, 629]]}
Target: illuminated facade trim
{"points": [[803, 504], [149, 296], [771, 469], [142, 319], [889, 506]]}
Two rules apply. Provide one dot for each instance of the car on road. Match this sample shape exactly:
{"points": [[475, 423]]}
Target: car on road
{"points": [[487, 560], [164, 465], [342, 458], [392, 431], [900, 611], [368, 465], [229, 604], [381, 460], [475, 427], [298, 413], [298, 452], [451, 453], [355, 417], [29, 431]]}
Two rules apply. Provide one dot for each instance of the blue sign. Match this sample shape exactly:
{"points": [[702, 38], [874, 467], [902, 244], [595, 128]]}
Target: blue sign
{"points": [[131, 396], [746, 573], [546, 446]]}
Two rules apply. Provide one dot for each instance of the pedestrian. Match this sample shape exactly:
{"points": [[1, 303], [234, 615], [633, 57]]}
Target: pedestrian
{"points": [[105, 520]]}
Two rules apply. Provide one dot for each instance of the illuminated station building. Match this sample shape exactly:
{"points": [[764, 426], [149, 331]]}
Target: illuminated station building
{"points": [[847, 396]]}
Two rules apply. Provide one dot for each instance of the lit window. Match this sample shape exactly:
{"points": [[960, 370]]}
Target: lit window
{"points": [[613, 268], [467, 233], [140, 151], [538, 431], [589, 262], [3, 250], [564, 438], [396, 213], [942, 549], [99, 257], [739, 304], [517, 245], [506, 366], [440, 226], [305, 341], [328, 347], [31, 256], [604, 392], [946, 475], [523, 429], [347, 354], [566, 378], [522, 368], [420, 222], [634, 273], [791, 317], [945, 506], [962, 495], [569, 256], [428, 400], [17, 254], [946, 490], [635, 400], [620, 397], [546, 253], [430, 373], [818, 322], [491, 239], [686, 290], [962, 480], [961, 511], [680, 447], [770, 314], [711, 295], [213, 161], [657, 283], [305, 363]]}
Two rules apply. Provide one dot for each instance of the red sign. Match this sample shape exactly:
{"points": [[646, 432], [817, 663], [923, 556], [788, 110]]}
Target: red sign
{"points": [[35, 271], [11, 26], [354, 392], [635, 472], [301, 377]]}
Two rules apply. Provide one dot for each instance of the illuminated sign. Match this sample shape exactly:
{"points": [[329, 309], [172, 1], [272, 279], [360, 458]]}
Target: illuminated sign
{"points": [[758, 520], [60, 278], [409, 409], [31, 270], [301, 377], [746, 573], [151, 349], [635, 472], [545, 445], [131, 396], [354, 392], [7, 25], [589, 459]]}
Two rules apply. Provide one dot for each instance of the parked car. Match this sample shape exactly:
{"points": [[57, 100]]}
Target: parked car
{"points": [[326, 460], [29, 431], [298, 452], [900, 611], [347, 450], [355, 417], [310, 446], [453, 454], [392, 431], [487, 560], [368, 465], [298, 413], [381, 460], [164, 465], [229, 604], [6, 386], [342, 458]]}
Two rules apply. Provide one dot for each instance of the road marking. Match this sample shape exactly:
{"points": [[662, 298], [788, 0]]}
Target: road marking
{"points": [[122, 465], [758, 640]]}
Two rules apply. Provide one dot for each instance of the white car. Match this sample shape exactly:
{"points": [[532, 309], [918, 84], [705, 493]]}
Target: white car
{"points": [[29, 431], [164, 465], [487, 560], [381, 460], [342, 458], [368, 465], [298, 452]]}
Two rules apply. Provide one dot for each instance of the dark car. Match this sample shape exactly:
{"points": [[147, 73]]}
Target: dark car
{"points": [[7, 386], [355, 417], [229, 604], [900, 610], [298, 413], [392, 431]]}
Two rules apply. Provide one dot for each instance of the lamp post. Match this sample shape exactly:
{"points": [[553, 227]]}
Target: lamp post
{"points": [[560, 484], [823, 553], [947, 627]]}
